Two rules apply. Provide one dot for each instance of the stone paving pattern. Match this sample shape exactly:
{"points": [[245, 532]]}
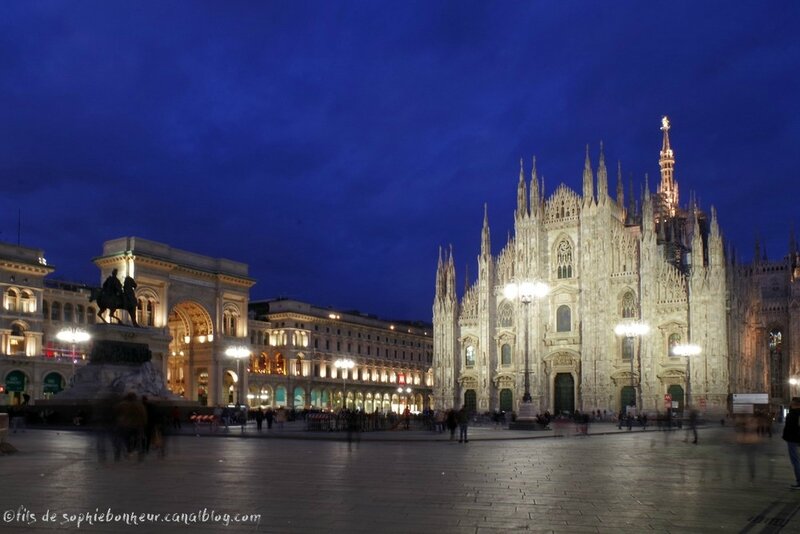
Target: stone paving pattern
{"points": [[412, 482]]}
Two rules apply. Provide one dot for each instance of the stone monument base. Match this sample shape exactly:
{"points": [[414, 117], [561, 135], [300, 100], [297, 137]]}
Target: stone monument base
{"points": [[121, 361], [526, 418]]}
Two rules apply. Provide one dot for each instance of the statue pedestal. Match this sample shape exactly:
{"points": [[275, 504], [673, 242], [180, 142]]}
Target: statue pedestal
{"points": [[123, 359], [526, 412], [526, 418]]}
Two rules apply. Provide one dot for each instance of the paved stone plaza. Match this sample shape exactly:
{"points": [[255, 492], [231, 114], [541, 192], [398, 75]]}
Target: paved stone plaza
{"points": [[404, 482]]}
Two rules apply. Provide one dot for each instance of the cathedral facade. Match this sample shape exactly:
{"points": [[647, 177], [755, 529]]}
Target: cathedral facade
{"points": [[659, 263]]}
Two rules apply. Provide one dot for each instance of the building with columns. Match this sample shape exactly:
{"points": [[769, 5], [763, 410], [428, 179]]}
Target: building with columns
{"points": [[660, 261], [202, 304]]}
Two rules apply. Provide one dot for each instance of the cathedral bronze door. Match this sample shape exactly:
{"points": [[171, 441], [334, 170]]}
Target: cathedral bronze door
{"points": [[506, 400], [471, 400], [676, 392], [564, 393]]}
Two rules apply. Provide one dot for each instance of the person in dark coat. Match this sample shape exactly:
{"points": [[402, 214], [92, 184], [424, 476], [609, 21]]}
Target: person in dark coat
{"points": [[269, 416], [463, 424], [791, 435], [259, 417], [452, 422]]}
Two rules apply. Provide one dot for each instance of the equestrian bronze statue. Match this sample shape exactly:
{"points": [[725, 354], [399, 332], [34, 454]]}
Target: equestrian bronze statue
{"points": [[115, 296]]}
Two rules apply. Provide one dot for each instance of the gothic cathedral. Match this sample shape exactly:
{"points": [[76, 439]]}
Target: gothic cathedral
{"points": [[656, 262]]}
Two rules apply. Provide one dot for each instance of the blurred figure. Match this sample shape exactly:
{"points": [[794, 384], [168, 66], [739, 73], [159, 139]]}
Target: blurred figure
{"points": [[692, 428], [269, 416], [463, 424], [353, 427], [452, 422], [748, 440], [130, 418], [259, 417], [791, 434]]}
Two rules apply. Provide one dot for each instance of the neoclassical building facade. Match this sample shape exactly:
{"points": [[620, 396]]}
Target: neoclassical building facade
{"points": [[659, 262], [203, 305]]}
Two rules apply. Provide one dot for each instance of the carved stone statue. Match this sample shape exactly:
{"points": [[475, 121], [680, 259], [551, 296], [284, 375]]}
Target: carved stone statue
{"points": [[115, 296]]}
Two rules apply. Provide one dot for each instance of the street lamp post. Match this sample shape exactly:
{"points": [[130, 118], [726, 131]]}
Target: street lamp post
{"points": [[73, 336], [525, 292], [239, 353], [631, 331], [344, 365], [688, 350]]}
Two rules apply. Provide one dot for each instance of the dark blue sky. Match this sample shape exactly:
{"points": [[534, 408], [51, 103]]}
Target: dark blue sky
{"points": [[334, 146]]}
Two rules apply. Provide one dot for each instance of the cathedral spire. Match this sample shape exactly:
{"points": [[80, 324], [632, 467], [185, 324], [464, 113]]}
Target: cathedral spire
{"points": [[647, 207], [620, 188], [631, 214], [535, 198], [716, 249], [451, 277], [439, 275], [588, 181], [486, 246], [522, 193], [668, 188], [602, 178], [697, 241]]}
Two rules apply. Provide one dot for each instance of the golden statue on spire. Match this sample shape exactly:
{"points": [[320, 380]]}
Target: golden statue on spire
{"points": [[665, 123]]}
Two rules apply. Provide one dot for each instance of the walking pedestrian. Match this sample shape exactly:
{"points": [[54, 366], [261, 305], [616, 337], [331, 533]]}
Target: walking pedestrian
{"points": [[452, 422], [269, 416], [692, 426], [259, 417], [463, 424], [791, 434]]}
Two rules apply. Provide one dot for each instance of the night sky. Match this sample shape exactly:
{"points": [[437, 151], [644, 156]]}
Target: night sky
{"points": [[334, 146]]}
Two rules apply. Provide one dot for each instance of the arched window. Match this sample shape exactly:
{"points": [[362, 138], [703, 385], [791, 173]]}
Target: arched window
{"points": [[629, 308], [505, 354], [68, 316], [150, 315], [563, 319], [139, 311], [564, 259], [46, 309], [280, 365], [55, 311], [27, 302], [12, 299], [505, 315], [91, 315], [776, 372], [469, 354], [80, 313]]}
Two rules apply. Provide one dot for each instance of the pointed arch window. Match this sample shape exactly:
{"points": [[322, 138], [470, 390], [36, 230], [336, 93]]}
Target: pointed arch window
{"points": [[505, 315], [629, 308], [564, 259]]}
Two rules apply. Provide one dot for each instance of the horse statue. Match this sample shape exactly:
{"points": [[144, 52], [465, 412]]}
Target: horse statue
{"points": [[109, 298]]}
